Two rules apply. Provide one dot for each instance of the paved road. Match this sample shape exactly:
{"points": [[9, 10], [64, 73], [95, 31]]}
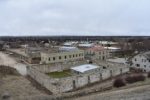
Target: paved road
{"points": [[5, 59]]}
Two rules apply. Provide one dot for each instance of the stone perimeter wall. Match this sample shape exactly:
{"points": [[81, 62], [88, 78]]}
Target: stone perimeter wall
{"points": [[59, 85]]}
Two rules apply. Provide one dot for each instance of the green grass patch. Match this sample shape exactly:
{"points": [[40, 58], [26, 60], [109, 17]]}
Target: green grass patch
{"points": [[65, 73]]}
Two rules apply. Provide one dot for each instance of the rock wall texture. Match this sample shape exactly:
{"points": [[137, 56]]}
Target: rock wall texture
{"points": [[59, 85]]}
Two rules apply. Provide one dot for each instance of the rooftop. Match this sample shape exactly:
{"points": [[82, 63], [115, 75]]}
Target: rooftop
{"points": [[112, 48], [84, 68], [70, 43], [107, 42], [86, 45], [97, 48], [65, 48]]}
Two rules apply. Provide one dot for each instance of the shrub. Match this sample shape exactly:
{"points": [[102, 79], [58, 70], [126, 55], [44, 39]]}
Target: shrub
{"points": [[140, 78], [129, 79], [135, 78], [119, 83]]}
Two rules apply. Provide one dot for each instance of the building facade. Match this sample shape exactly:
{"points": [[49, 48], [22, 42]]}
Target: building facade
{"points": [[141, 61], [97, 52], [62, 56]]}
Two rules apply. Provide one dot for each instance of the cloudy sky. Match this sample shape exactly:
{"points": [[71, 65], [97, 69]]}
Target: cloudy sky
{"points": [[74, 17]]}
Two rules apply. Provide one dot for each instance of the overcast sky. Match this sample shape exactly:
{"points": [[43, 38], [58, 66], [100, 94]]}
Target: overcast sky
{"points": [[74, 17]]}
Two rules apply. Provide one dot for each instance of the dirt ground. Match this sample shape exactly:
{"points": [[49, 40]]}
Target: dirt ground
{"points": [[134, 93], [16, 86], [5, 59]]}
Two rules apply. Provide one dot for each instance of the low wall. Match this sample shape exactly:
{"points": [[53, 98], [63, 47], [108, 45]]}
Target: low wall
{"points": [[43, 79], [59, 85]]}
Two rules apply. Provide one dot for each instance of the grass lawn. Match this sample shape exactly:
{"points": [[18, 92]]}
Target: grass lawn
{"points": [[62, 74]]}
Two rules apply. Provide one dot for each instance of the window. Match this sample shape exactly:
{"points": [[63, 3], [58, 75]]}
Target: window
{"points": [[73, 55], [65, 57], [53, 58], [49, 59], [138, 65], [104, 67], [145, 66], [76, 55], [103, 58], [79, 55], [135, 59], [59, 57]]}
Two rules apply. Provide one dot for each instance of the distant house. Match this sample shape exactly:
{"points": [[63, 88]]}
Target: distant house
{"points": [[141, 61], [97, 52]]}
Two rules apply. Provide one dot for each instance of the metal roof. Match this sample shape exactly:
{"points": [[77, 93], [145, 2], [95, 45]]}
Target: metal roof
{"points": [[86, 45], [84, 68], [64, 48]]}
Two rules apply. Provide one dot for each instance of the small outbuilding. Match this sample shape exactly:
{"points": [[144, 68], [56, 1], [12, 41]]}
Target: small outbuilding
{"points": [[86, 68]]}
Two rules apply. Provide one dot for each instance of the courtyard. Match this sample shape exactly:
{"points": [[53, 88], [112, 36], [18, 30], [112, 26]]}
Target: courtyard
{"points": [[65, 73]]}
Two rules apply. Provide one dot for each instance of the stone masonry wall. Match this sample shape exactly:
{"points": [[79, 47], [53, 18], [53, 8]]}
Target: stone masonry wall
{"points": [[59, 85]]}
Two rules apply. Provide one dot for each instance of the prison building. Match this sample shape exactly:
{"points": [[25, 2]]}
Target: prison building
{"points": [[62, 56]]}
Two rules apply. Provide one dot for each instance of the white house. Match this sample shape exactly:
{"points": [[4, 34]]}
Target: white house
{"points": [[142, 61]]}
